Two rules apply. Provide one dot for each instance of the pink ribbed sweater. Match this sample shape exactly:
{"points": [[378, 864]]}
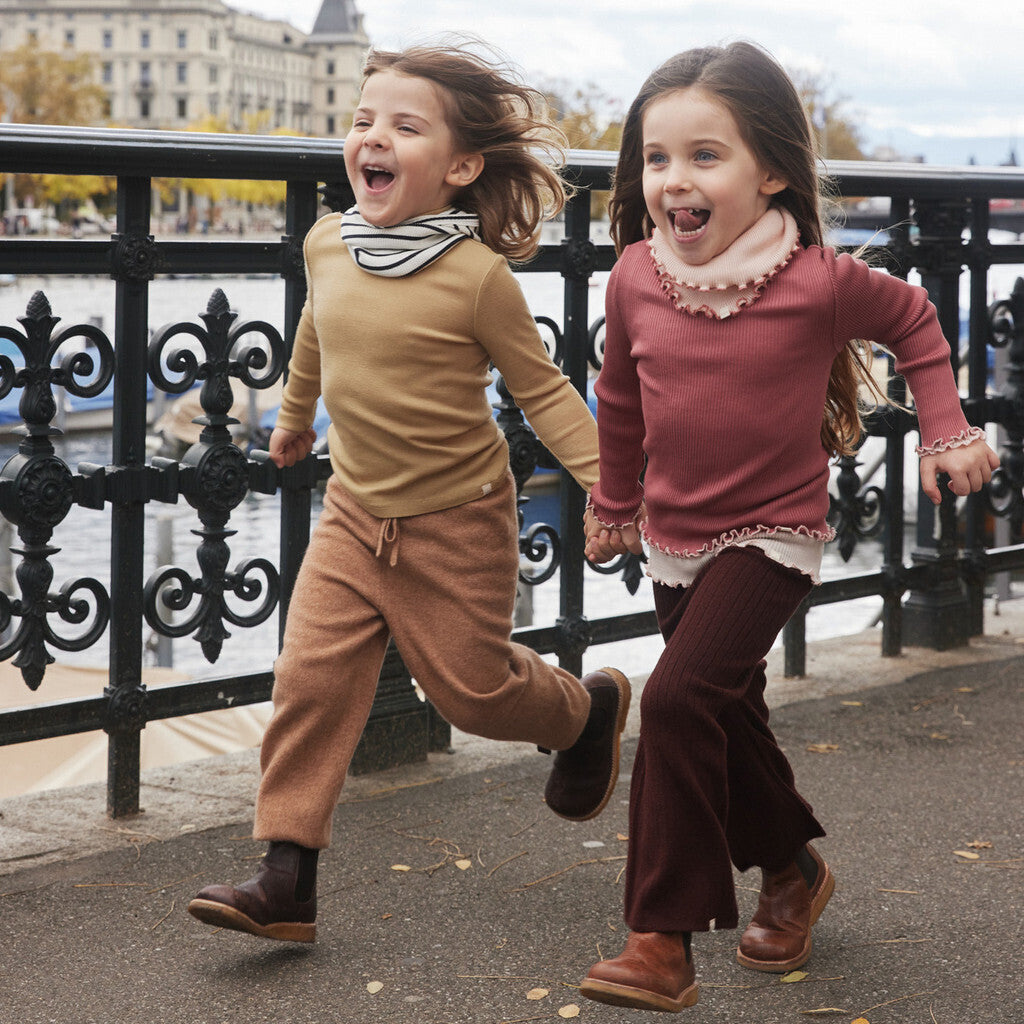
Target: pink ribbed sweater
{"points": [[728, 412]]}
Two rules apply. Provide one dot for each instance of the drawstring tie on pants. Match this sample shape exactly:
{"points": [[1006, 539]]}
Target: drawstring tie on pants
{"points": [[388, 535]]}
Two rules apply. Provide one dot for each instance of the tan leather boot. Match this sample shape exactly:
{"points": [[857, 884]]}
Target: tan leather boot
{"points": [[778, 939], [653, 972]]}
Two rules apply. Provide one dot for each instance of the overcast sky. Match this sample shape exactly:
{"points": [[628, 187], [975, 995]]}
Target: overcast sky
{"points": [[928, 76]]}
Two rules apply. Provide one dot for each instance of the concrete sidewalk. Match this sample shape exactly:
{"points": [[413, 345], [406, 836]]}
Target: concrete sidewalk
{"points": [[906, 761]]}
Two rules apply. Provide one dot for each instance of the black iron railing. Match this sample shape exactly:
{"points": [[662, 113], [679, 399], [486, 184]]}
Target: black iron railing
{"points": [[934, 597]]}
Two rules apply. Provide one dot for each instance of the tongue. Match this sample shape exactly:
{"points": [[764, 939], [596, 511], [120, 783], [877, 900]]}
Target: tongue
{"points": [[687, 221], [380, 179]]}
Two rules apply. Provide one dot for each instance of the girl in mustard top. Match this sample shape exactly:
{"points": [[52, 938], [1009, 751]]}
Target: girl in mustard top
{"points": [[410, 300]]}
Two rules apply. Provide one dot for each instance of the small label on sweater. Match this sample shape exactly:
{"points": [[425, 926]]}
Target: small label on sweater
{"points": [[487, 488]]}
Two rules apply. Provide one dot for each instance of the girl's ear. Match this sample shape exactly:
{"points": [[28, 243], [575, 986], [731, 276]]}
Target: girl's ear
{"points": [[771, 185], [465, 169]]}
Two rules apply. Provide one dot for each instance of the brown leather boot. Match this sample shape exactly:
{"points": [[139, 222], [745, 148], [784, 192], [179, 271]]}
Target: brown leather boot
{"points": [[278, 902], [654, 972], [778, 939], [584, 776]]}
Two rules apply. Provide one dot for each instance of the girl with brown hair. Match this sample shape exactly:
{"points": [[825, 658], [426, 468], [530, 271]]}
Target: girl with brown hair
{"points": [[410, 300], [731, 374]]}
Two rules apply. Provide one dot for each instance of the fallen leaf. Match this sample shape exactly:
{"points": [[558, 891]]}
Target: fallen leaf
{"points": [[463, 865], [965, 689], [793, 976], [968, 854], [569, 1010], [822, 748], [852, 704], [537, 993], [860, 1020], [374, 987], [979, 844], [822, 1011], [939, 736], [400, 867], [384, 917], [621, 837]]}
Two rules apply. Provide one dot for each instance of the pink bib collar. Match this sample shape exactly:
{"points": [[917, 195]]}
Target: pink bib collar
{"points": [[734, 278]]}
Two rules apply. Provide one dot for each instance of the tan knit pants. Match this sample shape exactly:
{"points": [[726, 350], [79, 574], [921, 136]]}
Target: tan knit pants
{"points": [[443, 584]]}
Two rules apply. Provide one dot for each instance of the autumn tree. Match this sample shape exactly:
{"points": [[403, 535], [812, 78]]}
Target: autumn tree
{"points": [[41, 87], [590, 119], [837, 136]]}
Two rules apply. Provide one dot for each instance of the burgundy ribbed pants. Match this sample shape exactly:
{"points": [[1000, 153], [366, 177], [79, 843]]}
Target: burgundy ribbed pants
{"points": [[443, 584], [711, 787]]}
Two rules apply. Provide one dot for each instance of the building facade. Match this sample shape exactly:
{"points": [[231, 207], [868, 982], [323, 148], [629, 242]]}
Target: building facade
{"points": [[170, 63]]}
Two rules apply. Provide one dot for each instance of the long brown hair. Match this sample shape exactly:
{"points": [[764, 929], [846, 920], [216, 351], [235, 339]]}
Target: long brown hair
{"points": [[772, 120], [491, 112]]}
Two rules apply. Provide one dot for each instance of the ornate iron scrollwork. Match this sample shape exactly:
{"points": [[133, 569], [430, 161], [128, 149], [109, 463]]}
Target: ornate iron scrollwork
{"points": [[37, 488], [1006, 330], [135, 258], [214, 475], [578, 258], [855, 514]]}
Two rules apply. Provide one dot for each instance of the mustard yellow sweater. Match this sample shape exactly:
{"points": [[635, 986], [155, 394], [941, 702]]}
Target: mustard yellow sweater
{"points": [[402, 364]]}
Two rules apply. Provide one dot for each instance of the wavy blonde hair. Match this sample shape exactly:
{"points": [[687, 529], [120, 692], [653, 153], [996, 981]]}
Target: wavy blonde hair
{"points": [[491, 112], [773, 122]]}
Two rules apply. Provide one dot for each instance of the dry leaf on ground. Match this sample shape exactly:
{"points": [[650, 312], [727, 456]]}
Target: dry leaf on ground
{"points": [[968, 854], [822, 748], [537, 993], [787, 979], [979, 844], [400, 867], [373, 987], [463, 865], [569, 1010]]}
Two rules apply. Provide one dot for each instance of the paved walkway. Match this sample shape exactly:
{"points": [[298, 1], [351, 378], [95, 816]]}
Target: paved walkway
{"points": [[915, 766]]}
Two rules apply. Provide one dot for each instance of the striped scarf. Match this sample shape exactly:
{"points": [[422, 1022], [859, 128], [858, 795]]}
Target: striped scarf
{"points": [[403, 249]]}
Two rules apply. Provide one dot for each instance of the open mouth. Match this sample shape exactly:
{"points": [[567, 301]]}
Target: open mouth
{"points": [[377, 178], [686, 222]]}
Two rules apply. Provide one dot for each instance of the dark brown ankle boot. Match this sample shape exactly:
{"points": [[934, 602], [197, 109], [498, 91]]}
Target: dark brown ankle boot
{"points": [[654, 972], [278, 902], [778, 939], [584, 776]]}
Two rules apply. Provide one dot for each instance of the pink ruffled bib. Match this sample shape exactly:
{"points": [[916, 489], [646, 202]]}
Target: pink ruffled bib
{"points": [[734, 278]]}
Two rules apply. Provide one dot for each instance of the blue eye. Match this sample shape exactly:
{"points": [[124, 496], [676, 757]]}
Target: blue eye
{"points": [[704, 156], [656, 158]]}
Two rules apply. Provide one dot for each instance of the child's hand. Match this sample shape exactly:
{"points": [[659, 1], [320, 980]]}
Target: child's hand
{"points": [[604, 543], [969, 468], [289, 446]]}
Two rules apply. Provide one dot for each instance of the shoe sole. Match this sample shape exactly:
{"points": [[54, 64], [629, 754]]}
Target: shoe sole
{"points": [[783, 966], [220, 915], [625, 695], [637, 998]]}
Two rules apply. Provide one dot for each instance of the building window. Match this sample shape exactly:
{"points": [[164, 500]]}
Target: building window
{"points": [[144, 108], [213, 40], [213, 74], [108, 72], [144, 39], [330, 124], [182, 72], [33, 35], [108, 39], [214, 104], [182, 108], [69, 37], [330, 96], [330, 67], [108, 108], [182, 39], [144, 73]]}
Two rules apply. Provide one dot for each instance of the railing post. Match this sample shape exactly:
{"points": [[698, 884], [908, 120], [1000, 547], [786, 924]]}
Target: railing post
{"points": [[579, 258], [939, 615], [134, 259]]}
